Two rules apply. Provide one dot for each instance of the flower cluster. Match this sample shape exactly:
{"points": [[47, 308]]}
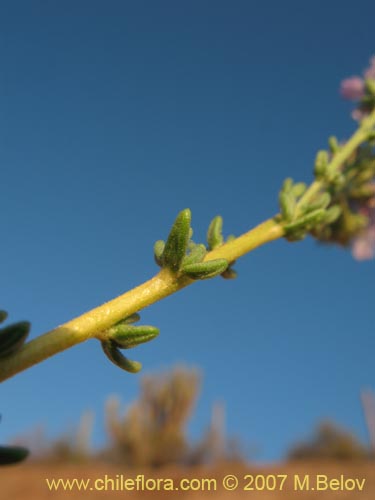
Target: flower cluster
{"points": [[355, 195], [339, 207], [349, 178]]}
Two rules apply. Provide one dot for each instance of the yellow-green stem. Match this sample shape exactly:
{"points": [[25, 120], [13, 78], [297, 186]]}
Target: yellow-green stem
{"points": [[93, 323]]}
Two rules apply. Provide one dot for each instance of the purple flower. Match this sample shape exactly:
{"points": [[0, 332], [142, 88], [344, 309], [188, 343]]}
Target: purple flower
{"points": [[363, 246], [353, 88], [358, 114]]}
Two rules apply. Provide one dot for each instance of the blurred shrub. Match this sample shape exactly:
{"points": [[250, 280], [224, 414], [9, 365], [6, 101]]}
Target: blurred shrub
{"points": [[153, 429], [152, 432], [330, 442]]}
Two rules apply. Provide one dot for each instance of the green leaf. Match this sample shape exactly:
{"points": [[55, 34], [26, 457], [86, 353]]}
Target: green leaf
{"points": [[287, 185], [158, 252], [205, 270], [333, 144], [214, 233], [113, 354], [307, 221], [3, 316], [287, 205], [321, 164], [177, 242], [332, 214], [13, 337], [298, 189], [197, 254], [321, 201], [127, 336]]}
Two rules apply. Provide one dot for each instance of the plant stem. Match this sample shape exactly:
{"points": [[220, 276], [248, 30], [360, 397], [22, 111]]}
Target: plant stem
{"points": [[93, 323]]}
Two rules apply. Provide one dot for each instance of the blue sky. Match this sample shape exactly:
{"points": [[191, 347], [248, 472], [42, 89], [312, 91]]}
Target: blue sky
{"points": [[115, 116]]}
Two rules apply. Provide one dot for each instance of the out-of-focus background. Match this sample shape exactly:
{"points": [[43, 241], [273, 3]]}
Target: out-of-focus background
{"points": [[115, 116]]}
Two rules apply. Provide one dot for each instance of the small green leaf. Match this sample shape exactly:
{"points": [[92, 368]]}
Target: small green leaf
{"points": [[321, 201], [307, 221], [333, 144], [177, 242], [337, 179], [287, 205], [205, 270], [158, 252], [197, 254], [13, 337], [332, 214], [214, 233], [287, 185], [127, 336], [113, 354], [321, 163], [298, 189], [12, 454], [3, 316]]}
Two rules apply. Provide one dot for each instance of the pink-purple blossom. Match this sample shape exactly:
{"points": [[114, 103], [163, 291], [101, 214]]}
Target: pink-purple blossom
{"points": [[363, 246], [353, 88]]}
